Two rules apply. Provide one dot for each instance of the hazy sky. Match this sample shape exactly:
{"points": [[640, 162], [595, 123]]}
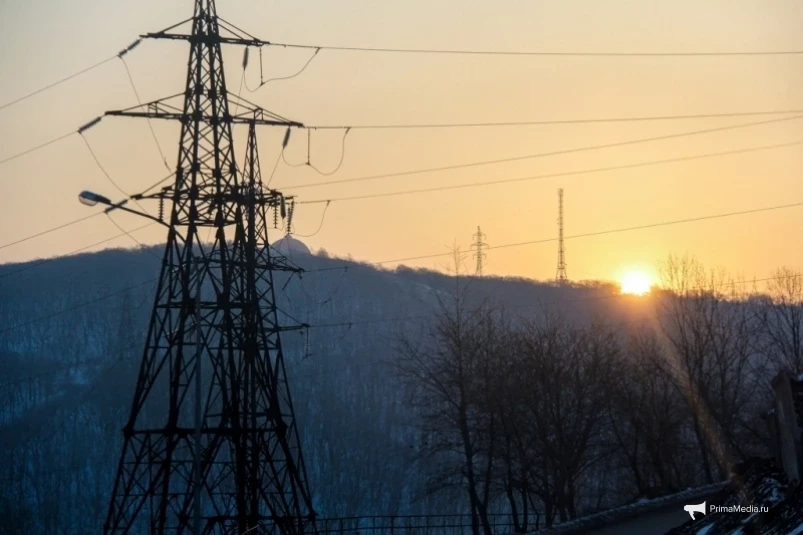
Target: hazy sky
{"points": [[44, 40]]}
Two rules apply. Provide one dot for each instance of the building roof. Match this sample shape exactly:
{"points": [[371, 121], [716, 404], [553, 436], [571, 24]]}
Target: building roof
{"points": [[756, 484]]}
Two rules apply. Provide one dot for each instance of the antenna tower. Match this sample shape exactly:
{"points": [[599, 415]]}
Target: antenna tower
{"points": [[211, 444], [561, 277], [479, 246]]}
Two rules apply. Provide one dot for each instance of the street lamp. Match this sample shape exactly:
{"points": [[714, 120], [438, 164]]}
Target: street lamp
{"points": [[90, 198]]}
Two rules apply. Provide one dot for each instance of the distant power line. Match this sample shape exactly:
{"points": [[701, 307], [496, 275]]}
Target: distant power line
{"points": [[554, 175], [534, 53], [548, 153], [437, 255], [610, 231], [632, 119]]}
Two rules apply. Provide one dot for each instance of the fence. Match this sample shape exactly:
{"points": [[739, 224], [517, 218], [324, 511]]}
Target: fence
{"points": [[414, 525]]}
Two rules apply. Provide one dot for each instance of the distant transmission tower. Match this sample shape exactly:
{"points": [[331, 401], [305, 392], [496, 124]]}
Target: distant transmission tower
{"points": [[211, 444], [561, 277], [479, 246]]}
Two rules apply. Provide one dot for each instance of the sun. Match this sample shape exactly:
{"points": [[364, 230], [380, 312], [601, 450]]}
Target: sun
{"points": [[636, 283]]}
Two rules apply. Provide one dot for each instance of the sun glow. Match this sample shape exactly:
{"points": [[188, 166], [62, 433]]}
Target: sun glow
{"points": [[636, 283]]}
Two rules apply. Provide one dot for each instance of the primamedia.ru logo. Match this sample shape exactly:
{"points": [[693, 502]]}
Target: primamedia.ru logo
{"points": [[738, 509]]}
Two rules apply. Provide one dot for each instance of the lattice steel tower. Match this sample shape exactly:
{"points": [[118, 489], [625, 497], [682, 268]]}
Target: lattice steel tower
{"points": [[479, 247], [561, 277], [211, 443]]}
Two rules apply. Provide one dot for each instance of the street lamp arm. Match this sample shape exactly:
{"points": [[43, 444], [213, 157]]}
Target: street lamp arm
{"points": [[90, 198], [121, 206]]}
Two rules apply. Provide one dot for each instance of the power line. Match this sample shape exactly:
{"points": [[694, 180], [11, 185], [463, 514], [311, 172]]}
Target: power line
{"points": [[546, 154], [36, 148], [48, 231], [555, 175], [644, 118], [120, 55], [537, 53], [81, 130], [127, 233], [150, 123], [519, 244], [650, 317], [59, 82], [102, 169], [46, 260], [320, 225], [263, 82], [611, 231], [77, 306]]}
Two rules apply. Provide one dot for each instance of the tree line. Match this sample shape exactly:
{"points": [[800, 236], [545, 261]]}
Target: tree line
{"points": [[547, 419]]}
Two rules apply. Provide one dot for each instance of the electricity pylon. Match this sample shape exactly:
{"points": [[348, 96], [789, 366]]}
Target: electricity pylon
{"points": [[211, 443], [479, 246], [561, 277]]}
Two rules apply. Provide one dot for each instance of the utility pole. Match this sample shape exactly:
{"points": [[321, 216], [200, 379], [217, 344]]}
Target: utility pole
{"points": [[561, 277], [232, 462], [479, 246]]}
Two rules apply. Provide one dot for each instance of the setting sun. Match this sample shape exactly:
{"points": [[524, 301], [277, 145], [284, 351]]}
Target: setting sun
{"points": [[636, 283]]}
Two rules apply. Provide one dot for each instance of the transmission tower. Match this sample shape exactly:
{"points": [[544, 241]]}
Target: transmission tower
{"points": [[211, 444], [479, 246], [561, 277]]}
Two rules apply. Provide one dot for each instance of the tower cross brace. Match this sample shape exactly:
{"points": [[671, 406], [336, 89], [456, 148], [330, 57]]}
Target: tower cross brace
{"points": [[215, 317]]}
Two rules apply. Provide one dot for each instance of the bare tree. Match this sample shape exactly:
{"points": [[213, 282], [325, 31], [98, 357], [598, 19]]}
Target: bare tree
{"points": [[448, 372], [712, 359], [566, 372], [647, 418], [782, 320]]}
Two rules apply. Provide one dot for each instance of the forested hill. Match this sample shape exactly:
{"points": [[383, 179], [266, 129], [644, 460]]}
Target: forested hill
{"points": [[71, 336]]}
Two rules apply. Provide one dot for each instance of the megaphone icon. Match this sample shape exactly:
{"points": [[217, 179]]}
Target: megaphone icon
{"points": [[691, 509]]}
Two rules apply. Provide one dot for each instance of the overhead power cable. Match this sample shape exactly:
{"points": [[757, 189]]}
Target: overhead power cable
{"points": [[610, 231], [81, 130], [36, 148], [644, 118], [120, 55], [519, 244], [651, 317], [150, 123], [48, 231], [59, 82], [538, 53], [77, 306], [554, 175], [549, 153], [32, 265], [263, 82]]}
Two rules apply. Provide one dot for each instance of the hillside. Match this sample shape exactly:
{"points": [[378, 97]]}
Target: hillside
{"points": [[71, 341]]}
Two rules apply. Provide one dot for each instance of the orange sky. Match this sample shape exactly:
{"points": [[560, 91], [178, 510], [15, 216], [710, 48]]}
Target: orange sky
{"points": [[46, 40]]}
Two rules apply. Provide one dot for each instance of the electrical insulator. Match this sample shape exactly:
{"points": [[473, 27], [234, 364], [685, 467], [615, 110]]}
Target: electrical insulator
{"points": [[275, 217], [245, 58], [290, 215], [161, 208], [286, 139], [284, 208]]}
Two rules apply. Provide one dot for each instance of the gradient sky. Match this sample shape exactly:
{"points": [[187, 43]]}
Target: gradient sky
{"points": [[44, 40]]}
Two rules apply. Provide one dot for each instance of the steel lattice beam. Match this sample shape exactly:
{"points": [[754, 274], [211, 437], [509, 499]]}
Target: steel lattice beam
{"points": [[252, 475]]}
